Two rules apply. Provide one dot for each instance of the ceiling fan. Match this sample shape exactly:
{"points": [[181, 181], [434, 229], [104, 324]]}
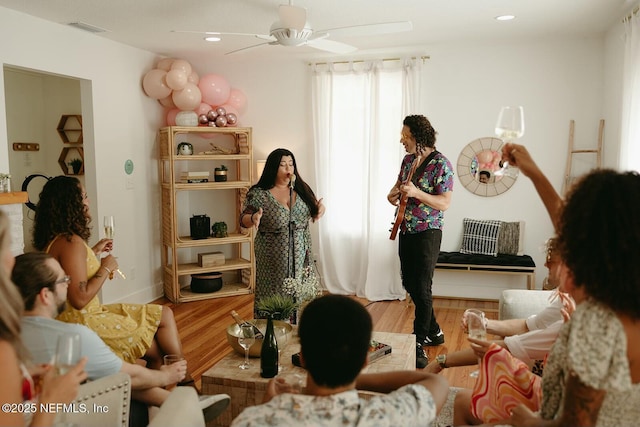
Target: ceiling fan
{"points": [[293, 29]]}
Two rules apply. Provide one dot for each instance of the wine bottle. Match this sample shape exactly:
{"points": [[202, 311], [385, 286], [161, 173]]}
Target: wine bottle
{"points": [[269, 353], [240, 321]]}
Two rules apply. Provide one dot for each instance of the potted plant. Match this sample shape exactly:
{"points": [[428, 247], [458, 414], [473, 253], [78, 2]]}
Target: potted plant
{"points": [[277, 306], [75, 164]]}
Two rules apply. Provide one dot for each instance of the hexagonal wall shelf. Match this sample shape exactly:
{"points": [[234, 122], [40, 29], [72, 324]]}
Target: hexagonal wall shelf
{"points": [[70, 128], [65, 158]]}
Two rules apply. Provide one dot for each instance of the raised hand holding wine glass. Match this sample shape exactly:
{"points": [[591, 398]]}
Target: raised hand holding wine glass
{"points": [[246, 339], [509, 127], [109, 224]]}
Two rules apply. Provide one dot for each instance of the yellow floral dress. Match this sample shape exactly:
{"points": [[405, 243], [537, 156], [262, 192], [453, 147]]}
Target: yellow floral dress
{"points": [[128, 329]]}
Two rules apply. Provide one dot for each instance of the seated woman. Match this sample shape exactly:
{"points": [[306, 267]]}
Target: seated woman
{"points": [[133, 331]]}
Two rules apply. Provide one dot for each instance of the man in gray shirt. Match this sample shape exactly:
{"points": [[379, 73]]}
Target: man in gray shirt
{"points": [[43, 285]]}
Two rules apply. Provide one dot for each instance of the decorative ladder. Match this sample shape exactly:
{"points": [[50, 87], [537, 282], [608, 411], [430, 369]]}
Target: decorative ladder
{"points": [[568, 178]]}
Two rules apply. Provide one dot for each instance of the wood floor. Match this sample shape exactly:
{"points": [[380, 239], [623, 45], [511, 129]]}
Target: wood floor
{"points": [[202, 326]]}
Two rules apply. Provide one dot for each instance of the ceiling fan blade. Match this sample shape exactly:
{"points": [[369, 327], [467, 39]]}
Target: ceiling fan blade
{"points": [[370, 29], [331, 46], [246, 48], [292, 16]]}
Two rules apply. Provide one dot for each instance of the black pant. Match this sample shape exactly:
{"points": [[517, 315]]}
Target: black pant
{"points": [[418, 257]]}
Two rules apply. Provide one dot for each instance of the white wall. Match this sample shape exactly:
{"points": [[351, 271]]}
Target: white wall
{"points": [[120, 124], [554, 79]]}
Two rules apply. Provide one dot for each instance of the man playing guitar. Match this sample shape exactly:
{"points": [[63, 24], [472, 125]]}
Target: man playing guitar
{"points": [[422, 193]]}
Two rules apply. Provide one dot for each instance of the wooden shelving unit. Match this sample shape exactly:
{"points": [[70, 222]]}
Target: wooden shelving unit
{"points": [[179, 257]]}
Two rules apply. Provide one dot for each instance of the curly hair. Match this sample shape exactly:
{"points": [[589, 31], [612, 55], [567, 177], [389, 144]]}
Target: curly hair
{"points": [[268, 178], [598, 238], [422, 131], [60, 211]]}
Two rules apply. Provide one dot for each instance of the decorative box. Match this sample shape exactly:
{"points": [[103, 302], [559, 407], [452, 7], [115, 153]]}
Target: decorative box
{"points": [[211, 259]]}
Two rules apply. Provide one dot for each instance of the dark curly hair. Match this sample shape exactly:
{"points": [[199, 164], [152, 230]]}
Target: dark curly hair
{"points": [[599, 238], [422, 131], [60, 211], [268, 178]]}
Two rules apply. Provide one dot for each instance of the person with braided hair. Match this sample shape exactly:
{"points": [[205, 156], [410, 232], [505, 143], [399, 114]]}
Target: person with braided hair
{"points": [[428, 195]]}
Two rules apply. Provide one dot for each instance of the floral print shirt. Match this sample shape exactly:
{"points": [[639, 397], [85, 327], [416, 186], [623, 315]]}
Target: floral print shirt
{"points": [[411, 405], [436, 178], [593, 345]]}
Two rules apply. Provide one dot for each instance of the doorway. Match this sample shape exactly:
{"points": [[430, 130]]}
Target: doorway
{"points": [[36, 103]]}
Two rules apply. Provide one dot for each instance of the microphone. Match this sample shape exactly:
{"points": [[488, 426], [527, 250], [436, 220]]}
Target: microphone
{"points": [[292, 180]]}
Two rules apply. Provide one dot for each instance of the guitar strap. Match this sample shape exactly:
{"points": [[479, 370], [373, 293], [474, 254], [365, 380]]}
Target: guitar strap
{"points": [[418, 172]]}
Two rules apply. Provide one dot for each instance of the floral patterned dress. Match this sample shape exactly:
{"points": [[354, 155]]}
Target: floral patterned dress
{"points": [[275, 261], [593, 345], [128, 329]]}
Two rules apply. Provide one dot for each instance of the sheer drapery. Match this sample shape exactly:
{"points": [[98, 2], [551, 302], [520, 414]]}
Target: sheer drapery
{"points": [[357, 117], [630, 129]]}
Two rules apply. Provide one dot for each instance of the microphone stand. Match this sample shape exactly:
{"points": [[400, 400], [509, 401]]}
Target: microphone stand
{"points": [[291, 268]]}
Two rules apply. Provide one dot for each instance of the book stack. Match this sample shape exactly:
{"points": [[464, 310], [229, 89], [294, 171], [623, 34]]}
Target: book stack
{"points": [[194, 177]]}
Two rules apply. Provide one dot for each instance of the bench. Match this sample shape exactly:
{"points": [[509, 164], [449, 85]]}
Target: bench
{"points": [[520, 265]]}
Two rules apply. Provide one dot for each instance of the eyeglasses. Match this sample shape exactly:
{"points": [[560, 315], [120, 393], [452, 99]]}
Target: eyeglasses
{"points": [[65, 279]]}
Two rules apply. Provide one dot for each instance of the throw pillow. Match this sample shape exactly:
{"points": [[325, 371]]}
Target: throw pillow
{"points": [[511, 238], [480, 237]]}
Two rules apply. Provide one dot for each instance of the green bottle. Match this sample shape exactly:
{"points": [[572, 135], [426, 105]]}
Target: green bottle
{"points": [[269, 353]]}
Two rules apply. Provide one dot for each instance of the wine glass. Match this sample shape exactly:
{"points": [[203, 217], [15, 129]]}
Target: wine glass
{"points": [[246, 339], [109, 224], [282, 338], [510, 126], [67, 352], [477, 329]]}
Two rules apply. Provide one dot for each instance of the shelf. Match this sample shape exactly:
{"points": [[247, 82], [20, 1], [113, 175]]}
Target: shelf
{"points": [[211, 185], [67, 134], [178, 256], [229, 265], [228, 290], [188, 242], [63, 160]]}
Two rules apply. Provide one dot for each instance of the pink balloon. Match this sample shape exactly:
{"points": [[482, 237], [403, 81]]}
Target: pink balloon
{"points": [[167, 102], [237, 99], [193, 78], [221, 121], [154, 85], [203, 108], [215, 89], [220, 111], [232, 119], [176, 79], [202, 119], [230, 109], [171, 117], [182, 65], [188, 98], [165, 64]]}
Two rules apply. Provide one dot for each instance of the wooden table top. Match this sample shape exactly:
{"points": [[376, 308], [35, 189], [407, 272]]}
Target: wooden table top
{"points": [[226, 371]]}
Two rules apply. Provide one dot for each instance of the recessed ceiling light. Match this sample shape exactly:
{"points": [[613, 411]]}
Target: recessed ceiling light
{"points": [[212, 39], [505, 17]]}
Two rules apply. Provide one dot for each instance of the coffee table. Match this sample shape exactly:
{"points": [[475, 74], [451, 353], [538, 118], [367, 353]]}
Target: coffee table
{"points": [[247, 387]]}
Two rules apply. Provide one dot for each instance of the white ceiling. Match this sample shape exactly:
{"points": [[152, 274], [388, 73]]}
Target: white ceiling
{"points": [[148, 24]]}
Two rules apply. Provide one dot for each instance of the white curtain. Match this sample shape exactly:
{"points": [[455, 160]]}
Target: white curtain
{"points": [[630, 129], [358, 110]]}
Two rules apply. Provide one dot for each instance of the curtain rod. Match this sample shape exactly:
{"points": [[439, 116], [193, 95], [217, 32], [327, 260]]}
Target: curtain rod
{"points": [[633, 12], [359, 61]]}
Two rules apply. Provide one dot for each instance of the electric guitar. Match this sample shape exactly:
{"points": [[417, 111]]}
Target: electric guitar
{"points": [[402, 206]]}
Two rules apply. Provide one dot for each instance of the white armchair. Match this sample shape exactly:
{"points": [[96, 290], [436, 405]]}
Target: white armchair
{"points": [[107, 403]]}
